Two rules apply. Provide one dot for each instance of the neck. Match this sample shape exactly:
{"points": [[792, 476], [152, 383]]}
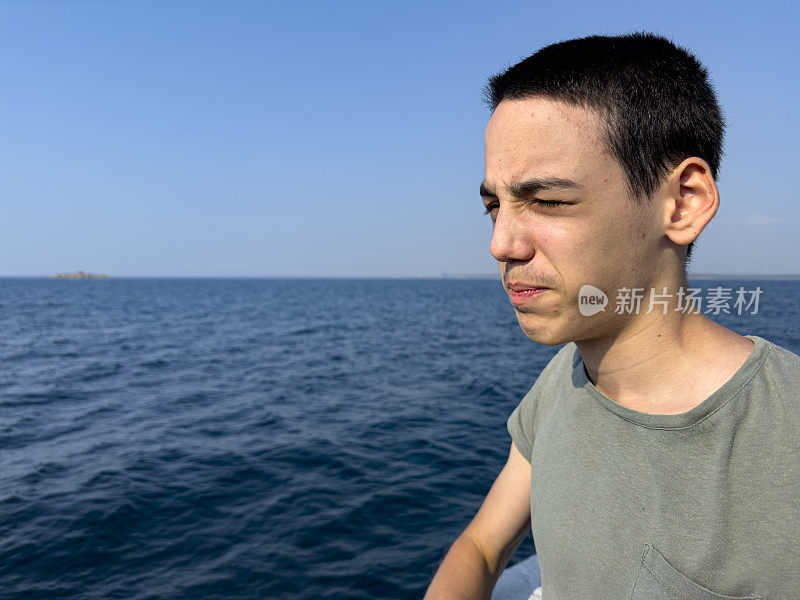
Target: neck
{"points": [[663, 363]]}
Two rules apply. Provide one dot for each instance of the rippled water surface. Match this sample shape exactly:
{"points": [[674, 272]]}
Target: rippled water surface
{"points": [[256, 438]]}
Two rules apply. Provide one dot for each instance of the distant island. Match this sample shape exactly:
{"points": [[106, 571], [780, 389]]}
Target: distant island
{"points": [[80, 275]]}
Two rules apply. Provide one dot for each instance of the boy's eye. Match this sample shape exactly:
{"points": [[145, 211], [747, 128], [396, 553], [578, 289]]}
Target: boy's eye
{"points": [[548, 203], [542, 203]]}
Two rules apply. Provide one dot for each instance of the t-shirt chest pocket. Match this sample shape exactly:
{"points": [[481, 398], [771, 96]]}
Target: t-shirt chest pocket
{"points": [[659, 580]]}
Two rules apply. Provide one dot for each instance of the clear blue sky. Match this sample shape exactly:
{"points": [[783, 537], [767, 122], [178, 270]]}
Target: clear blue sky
{"points": [[333, 138]]}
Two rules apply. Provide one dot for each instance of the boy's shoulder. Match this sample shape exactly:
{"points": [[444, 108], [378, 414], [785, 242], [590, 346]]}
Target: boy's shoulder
{"points": [[779, 375], [782, 357]]}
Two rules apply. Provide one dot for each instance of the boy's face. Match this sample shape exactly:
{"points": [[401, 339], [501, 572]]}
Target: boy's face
{"points": [[579, 227]]}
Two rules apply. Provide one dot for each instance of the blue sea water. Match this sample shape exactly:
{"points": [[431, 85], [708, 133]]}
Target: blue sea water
{"points": [[260, 438]]}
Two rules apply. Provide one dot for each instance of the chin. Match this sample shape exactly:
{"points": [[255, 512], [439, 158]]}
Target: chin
{"points": [[545, 334]]}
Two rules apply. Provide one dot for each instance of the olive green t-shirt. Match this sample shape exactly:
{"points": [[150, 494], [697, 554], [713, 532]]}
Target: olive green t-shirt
{"points": [[699, 505]]}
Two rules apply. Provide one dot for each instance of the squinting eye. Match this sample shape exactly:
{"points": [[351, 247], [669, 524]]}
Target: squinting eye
{"points": [[548, 203], [490, 208]]}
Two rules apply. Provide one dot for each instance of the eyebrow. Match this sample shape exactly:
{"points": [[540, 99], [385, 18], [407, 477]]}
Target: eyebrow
{"points": [[531, 186]]}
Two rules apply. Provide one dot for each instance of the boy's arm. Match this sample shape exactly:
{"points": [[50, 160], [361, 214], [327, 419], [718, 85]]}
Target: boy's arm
{"points": [[471, 567]]}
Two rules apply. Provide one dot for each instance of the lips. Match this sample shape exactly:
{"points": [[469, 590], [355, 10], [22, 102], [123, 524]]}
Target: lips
{"points": [[524, 293]]}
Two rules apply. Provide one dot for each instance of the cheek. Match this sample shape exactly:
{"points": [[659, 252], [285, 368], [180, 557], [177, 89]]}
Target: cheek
{"points": [[614, 235], [567, 241], [570, 248], [589, 252], [554, 237]]}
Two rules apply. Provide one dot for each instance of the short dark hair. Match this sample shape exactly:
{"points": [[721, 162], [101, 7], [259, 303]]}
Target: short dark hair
{"points": [[654, 97]]}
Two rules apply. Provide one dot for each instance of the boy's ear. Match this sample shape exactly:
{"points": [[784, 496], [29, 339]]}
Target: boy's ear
{"points": [[691, 199]]}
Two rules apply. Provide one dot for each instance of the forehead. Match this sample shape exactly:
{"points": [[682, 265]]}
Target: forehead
{"points": [[537, 137]]}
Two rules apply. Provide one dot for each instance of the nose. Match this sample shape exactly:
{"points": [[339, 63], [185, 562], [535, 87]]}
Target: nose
{"points": [[510, 240]]}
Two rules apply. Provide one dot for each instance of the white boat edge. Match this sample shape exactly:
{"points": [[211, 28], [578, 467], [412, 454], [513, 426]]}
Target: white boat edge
{"points": [[521, 581]]}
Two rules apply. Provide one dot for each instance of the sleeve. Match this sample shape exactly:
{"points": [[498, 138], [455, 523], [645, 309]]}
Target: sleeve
{"points": [[520, 424]]}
